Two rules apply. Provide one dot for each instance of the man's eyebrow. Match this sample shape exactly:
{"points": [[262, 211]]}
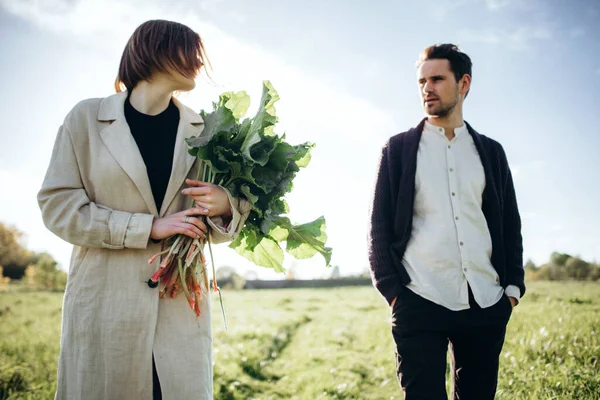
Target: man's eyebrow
{"points": [[432, 77]]}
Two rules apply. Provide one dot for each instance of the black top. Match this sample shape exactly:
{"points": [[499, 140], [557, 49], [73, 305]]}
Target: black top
{"points": [[155, 137], [392, 212]]}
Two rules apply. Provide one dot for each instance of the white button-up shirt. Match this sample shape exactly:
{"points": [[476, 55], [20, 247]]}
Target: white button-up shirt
{"points": [[450, 243]]}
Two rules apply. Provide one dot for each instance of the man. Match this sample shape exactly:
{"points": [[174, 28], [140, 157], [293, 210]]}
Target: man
{"points": [[445, 243]]}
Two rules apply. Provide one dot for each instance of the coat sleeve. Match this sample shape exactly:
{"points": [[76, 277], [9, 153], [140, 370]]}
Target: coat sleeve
{"points": [[68, 212], [513, 240], [222, 232], [384, 274]]}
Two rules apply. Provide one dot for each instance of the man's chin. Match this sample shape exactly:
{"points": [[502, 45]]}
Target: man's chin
{"points": [[436, 112], [432, 111]]}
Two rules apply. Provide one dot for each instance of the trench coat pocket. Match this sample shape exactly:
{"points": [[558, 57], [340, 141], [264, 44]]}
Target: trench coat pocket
{"points": [[74, 271]]}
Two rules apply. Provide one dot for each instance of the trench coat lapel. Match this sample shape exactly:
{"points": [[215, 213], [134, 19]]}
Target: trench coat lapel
{"points": [[121, 144]]}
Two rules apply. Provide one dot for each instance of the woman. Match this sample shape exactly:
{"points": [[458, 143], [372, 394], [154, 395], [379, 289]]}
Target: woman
{"points": [[114, 189]]}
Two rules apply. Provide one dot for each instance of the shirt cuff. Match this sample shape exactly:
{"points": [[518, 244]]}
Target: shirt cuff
{"points": [[513, 291]]}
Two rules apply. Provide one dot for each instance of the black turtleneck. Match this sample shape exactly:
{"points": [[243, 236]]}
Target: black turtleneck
{"points": [[155, 137]]}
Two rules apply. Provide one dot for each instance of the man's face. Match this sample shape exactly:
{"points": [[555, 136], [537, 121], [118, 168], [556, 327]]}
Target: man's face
{"points": [[438, 87]]}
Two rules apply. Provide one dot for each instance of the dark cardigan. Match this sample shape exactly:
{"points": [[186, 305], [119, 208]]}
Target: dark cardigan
{"points": [[392, 212]]}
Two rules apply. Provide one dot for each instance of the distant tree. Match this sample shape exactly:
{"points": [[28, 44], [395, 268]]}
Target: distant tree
{"points": [[594, 272], [559, 259], [366, 273], [225, 272], [530, 266], [3, 279], [46, 275], [551, 272], [227, 277], [30, 276], [577, 268], [14, 257]]}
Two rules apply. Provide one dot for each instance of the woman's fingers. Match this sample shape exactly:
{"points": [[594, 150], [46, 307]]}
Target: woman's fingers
{"points": [[193, 182], [189, 230], [198, 191], [196, 211], [196, 222], [205, 207]]}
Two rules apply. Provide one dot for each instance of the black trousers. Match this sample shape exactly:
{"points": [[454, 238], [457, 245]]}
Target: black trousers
{"points": [[422, 331], [156, 392]]}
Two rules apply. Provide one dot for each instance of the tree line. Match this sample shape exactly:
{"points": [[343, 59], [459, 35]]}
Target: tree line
{"points": [[40, 270], [17, 263], [562, 267]]}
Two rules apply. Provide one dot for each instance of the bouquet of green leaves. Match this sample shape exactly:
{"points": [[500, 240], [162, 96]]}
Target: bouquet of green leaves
{"points": [[250, 160]]}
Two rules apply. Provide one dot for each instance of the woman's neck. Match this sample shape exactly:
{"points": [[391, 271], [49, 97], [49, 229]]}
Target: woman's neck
{"points": [[151, 98]]}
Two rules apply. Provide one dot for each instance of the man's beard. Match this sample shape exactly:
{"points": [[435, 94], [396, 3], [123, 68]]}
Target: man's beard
{"points": [[441, 110]]}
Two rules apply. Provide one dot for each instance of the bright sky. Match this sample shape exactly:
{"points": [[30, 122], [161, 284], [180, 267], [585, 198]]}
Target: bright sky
{"points": [[345, 72]]}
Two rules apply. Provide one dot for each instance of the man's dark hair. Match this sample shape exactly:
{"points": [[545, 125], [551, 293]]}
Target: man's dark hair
{"points": [[460, 63]]}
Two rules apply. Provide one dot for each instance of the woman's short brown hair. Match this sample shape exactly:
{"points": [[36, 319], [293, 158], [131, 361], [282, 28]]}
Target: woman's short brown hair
{"points": [[157, 46]]}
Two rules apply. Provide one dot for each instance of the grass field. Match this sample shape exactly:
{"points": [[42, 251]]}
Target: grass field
{"points": [[330, 344]]}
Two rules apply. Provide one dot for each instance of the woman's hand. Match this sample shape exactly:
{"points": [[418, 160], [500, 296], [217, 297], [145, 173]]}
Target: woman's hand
{"points": [[210, 197], [183, 222]]}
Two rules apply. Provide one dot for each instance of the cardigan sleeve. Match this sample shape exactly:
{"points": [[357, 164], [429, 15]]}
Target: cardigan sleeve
{"points": [[384, 274], [513, 240]]}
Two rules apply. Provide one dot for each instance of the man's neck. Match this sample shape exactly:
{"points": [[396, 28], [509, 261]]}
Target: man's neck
{"points": [[449, 123]]}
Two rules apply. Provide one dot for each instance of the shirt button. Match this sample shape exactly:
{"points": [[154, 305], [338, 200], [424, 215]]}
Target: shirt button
{"points": [[449, 146], [461, 243], [451, 169], [453, 194], [456, 218]]}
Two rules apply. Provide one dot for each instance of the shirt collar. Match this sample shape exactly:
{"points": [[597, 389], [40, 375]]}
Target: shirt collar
{"points": [[440, 131]]}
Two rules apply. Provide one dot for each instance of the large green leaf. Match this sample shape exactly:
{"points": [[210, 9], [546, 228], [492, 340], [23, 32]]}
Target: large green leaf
{"points": [[303, 241], [252, 162], [261, 128], [240, 172], [261, 250], [261, 151], [251, 197], [278, 207], [241, 135], [302, 155], [269, 227], [238, 103], [224, 117], [280, 157]]}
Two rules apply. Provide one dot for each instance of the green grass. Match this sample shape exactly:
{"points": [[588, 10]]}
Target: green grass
{"points": [[330, 344]]}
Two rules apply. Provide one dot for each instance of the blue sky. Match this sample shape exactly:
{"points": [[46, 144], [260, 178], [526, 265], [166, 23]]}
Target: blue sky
{"points": [[345, 72]]}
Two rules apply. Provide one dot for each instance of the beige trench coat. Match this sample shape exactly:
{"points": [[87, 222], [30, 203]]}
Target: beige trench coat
{"points": [[97, 196]]}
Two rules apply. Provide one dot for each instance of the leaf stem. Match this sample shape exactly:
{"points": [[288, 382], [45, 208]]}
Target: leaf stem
{"points": [[216, 288]]}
